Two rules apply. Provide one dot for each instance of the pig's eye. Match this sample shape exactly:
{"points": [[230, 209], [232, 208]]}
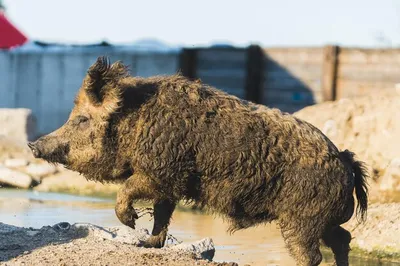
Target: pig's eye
{"points": [[81, 121]]}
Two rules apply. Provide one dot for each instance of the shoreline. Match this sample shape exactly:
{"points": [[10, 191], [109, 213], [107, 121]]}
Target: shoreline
{"points": [[86, 244], [378, 239]]}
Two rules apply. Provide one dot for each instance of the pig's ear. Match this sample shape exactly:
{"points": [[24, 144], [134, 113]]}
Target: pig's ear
{"points": [[102, 79]]}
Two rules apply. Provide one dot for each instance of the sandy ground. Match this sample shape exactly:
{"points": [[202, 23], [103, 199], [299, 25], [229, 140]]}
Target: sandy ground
{"points": [[377, 239], [379, 236], [94, 245]]}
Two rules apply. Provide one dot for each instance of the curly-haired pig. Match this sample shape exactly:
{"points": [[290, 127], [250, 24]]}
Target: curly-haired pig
{"points": [[168, 139]]}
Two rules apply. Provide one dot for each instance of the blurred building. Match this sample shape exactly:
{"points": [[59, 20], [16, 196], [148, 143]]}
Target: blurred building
{"points": [[10, 36]]}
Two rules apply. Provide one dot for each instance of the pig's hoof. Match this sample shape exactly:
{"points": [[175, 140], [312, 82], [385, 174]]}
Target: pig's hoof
{"points": [[153, 242], [127, 218], [129, 222]]}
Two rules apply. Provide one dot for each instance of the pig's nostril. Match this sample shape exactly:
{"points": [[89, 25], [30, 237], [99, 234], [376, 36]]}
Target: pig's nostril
{"points": [[36, 153]]}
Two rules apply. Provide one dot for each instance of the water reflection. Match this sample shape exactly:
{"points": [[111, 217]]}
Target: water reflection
{"points": [[261, 245]]}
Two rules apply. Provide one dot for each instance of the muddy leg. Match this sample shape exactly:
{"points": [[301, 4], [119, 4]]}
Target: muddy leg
{"points": [[338, 239], [303, 244], [133, 189], [163, 210]]}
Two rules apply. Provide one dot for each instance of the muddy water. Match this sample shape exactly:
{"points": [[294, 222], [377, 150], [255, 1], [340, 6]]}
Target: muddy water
{"points": [[262, 245]]}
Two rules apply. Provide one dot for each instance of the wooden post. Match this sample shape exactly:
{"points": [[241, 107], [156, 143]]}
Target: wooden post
{"points": [[329, 72], [255, 74], [188, 63]]}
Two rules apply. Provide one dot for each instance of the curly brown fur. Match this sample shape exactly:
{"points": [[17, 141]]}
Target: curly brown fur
{"points": [[168, 139]]}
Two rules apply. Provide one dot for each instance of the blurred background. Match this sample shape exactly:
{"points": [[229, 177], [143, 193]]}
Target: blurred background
{"points": [[284, 54], [333, 63]]}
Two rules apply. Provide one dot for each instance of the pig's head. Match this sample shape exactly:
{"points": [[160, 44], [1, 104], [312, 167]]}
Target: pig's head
{"points": [[86, 142]]}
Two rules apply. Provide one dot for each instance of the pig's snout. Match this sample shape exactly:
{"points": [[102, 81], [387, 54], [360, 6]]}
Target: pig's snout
{"points": [[50, 148], [35, 150]]}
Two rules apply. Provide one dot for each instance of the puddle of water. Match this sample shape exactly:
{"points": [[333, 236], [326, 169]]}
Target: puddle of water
{"points": [[262, 245]]}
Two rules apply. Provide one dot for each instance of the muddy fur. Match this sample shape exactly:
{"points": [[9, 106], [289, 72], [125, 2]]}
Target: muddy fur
{"points": [[169, 139]]}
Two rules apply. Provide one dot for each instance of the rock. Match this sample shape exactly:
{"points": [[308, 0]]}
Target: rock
{"points": [[10, 148], [391, 178], [15, 162], [201, 249], [398, 88], [18, 124], [40, 170], [72, 182], [14, 178], [330, 128], [84, 244], [380, 234], [121, 234], [6, 228]]}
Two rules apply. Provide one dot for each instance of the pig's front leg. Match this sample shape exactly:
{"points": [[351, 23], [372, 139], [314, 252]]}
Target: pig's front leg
{"points": [[133, 189], [163, 210]]}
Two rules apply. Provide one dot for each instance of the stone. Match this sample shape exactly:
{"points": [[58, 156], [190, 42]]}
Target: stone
{"points": [[65, 232], [380, 233], [40, 170], [15, 162], [14, 178], [18, 124], [122, 234], [75, 183], [6, 228], [397, 86], [203, 248], [330, 128], [90, 244], [390, 180]]}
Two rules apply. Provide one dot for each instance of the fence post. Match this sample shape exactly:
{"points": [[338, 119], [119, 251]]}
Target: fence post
{"points": [[329, 72], [188, 62], [254, 74]]}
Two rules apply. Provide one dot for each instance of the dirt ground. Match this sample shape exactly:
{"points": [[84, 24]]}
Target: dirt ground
{"points": [[379, 236], [63, 244], [94, 245]]}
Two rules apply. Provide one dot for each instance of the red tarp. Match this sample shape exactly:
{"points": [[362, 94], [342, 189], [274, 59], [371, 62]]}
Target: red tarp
{"points": [[9, 35]]}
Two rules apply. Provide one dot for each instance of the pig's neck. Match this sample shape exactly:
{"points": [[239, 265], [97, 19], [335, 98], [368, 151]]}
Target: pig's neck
{"points": [[113, 166], [122, 134]]}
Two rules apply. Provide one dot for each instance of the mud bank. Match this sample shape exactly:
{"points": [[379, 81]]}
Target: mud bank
{"points": [[87, 244], [379, 237]]}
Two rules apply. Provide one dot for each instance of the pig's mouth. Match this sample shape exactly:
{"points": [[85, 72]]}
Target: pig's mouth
{"points": [[56, 155]]}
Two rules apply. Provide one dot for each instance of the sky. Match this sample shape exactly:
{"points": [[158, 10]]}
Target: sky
{"points": [[362, 23]]}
